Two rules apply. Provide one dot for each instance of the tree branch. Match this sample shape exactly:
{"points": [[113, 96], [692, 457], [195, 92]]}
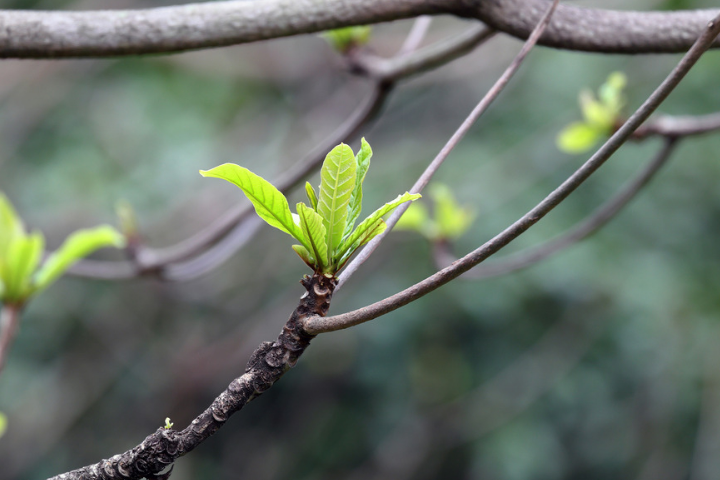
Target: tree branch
{"points": [[266, 365], [319, 325], [45, 34]]}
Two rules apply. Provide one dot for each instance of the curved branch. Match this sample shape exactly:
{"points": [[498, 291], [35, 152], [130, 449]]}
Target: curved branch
{"points": [[587, 227], [269, 362], [44, 34], [319, 325]]}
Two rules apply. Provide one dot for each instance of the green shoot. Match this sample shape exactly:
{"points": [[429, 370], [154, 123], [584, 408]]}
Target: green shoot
{"points": [[168, 423], [601, 116], [21, 272], [450, 219], [345, 39], [325, 229]]}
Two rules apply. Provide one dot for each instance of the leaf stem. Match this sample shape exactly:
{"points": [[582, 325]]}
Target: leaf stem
{"points": [[9, 320]]}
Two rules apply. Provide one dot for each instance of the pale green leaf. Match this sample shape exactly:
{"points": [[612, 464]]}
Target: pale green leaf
{"points": [[10, 225], [452, 219], [78, 245], [23, 256], [343, 39], [578, 137], [415, 218], [611, 92], [270, 204], [373, 231], [3, 423], [337, 183], [312, 226], [312, 197], [305, 255], [355, 205], [596, 113], [370, 222]]}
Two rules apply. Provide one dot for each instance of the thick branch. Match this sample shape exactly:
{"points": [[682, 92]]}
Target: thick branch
{"points": [[318, 325], [266, 365], [42, 34]]}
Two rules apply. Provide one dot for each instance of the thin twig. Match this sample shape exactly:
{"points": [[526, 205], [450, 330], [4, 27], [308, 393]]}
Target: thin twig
{"points": [[9, 320], [356, 317], [427, 58], [420, 27], [479, 109], [679, 126], [587, 227]]}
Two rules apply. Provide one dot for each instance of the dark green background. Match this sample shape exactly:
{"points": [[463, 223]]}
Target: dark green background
{"points": [[600, 363]]}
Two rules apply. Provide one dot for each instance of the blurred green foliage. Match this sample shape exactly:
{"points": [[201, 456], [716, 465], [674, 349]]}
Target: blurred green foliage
{"points": [[590, 365], [601, 115]]}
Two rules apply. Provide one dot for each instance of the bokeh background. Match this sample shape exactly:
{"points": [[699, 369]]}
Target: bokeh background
{"points": [[600, 363]]}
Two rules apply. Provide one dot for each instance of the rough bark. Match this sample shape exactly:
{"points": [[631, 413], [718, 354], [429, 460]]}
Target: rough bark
{"points": [[44, 34], [266, 365]]}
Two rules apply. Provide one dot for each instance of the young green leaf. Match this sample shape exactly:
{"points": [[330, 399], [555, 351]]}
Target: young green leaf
{"points": [[3, 423], [370, 222], [452, 219], [343, 39], [596, 113], [578, 137], [269, 203], [416, 218], [314, 230], [312, 197], [23, 256], [375, 229], [305, 255], [10, 225], [78, 245], [337, 183], [355, 205]]}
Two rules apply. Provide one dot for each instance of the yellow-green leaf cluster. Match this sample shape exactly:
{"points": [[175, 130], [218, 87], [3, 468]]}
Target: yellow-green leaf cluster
{"points": [[600, 116], [344, 39], [325, 228], [450, 219], [21, 274]]}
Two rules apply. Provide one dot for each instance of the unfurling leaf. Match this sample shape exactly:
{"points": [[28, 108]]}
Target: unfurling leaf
{"points": [[370, 223], [10, 225], [314, 230], [336, 186], [3, 423], [375, 229], [452, 219], [305, 255], [601, 115], [343, 39], [355, 205], [415, 218], [78, 245], [578, 137], [312, 197], [23, 256], [269, 203]]}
